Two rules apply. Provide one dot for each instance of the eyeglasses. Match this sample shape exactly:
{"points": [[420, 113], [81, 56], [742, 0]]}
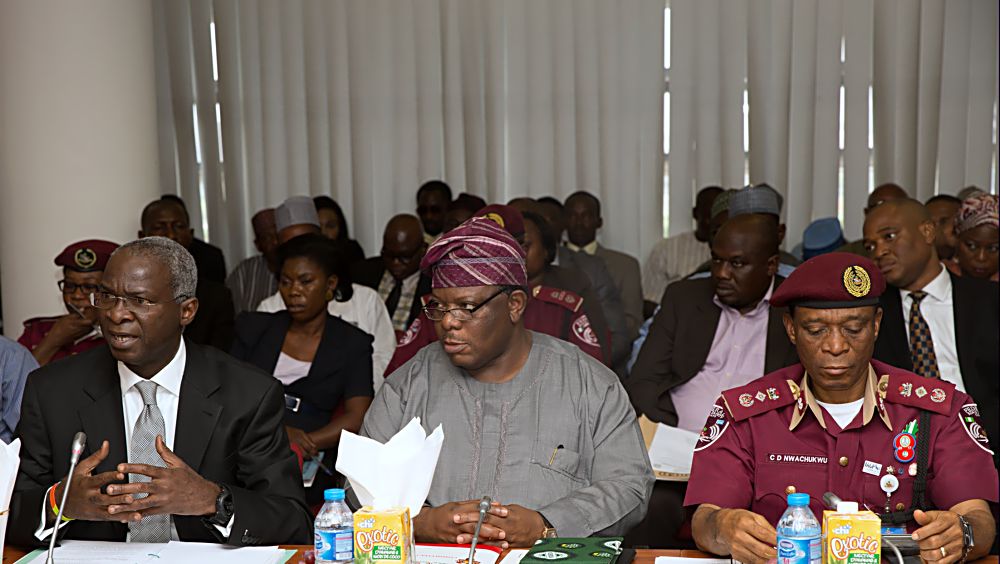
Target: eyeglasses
{"points": [[134, 304], [460, 313], [67, 287]]}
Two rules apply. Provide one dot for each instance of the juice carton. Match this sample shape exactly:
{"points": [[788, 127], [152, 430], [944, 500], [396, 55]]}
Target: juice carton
{"points": [[382, 536], [851, 537]]}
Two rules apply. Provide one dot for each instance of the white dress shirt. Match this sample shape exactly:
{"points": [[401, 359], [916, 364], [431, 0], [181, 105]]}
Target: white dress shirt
{"points": [[168, 394], [939, 312], [366, 311]]}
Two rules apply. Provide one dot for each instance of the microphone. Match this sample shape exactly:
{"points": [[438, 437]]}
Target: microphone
{"points": [[79, 441], [830, 500], [484, 507]]}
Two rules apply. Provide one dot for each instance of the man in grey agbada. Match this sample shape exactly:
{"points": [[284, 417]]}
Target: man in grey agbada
{"points": [[531, 421]]}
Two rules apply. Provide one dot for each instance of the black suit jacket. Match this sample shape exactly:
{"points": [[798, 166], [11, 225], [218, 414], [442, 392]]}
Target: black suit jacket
{"points": [[213, 324], [369, 273], [341, 369], [976, 304], [209, 259], [229, 429], [679, 341]]}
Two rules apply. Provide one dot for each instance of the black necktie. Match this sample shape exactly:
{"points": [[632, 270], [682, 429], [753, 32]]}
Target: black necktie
{"points": [[393, 300]]}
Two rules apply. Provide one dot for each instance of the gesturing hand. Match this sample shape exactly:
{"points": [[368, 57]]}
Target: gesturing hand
{"points": [[173, 490], [750, 538], [938, 529], [85, 500], [450, 523]]}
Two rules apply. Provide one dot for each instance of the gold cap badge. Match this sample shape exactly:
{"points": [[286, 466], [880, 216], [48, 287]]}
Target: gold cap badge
{"points": [[496, 218], [85, 258], [857, 282]]}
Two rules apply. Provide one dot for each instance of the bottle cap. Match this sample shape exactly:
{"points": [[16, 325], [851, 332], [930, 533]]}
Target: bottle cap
{"points": [[333, 494], [847, 507], [798, 499]]}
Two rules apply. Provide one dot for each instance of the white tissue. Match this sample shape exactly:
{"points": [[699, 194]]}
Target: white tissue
{"points": [[395, 474], [10, 460]]}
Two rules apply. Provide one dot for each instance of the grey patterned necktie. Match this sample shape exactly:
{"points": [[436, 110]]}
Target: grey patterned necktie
{"points": [[142, 450]]}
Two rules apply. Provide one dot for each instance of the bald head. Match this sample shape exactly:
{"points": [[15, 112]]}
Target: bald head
{"points": [[899, 237], [403, 245], [885, 193]]}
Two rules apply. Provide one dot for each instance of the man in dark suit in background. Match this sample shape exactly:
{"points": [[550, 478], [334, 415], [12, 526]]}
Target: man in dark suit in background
{"points": [[934, 323], [216, 314], [188, 441], [396, 275], [209, 258], [709, 335]]}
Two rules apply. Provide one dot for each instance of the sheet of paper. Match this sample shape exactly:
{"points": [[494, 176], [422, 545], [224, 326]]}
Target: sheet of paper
{"points": [[682, 560], [514, 555], [88, 552], [672, 449]]}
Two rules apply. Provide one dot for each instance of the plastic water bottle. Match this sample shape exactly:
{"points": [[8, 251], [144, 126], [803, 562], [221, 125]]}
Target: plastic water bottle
{"points": [[799, 533], [334, 530]]}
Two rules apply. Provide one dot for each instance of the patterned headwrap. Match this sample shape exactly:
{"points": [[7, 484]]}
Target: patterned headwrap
{"points": [[980, 209], [476, 253]]}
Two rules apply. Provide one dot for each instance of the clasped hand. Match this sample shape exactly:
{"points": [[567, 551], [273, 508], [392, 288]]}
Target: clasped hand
{"points": [[505, 526], [174, 489]]}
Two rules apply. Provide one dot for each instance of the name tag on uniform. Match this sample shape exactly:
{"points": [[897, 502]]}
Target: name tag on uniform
{"points": [[873, 468]]}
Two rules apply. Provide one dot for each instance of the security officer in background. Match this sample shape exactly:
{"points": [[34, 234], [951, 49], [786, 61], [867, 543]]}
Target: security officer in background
{"points": [[909, 448], [52, 338]]}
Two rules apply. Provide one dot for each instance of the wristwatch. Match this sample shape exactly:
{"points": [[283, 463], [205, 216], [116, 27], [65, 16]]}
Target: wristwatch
{"points": [[968, 541], [223, 507], [549, 532]]}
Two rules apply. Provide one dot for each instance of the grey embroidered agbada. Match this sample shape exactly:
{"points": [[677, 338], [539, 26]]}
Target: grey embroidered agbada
{"points": [[560, 438]]}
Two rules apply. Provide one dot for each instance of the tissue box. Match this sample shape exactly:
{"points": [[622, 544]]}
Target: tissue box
{"points": [[851, 538], [382, 536]]}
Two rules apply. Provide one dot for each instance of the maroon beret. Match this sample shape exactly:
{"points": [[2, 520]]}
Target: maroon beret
{"points": [[507, 217], [833, 280], [86, 256], [476, 253]]}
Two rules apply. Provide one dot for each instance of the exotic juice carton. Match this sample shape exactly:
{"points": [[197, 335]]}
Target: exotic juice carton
{"points": [[851, 537], [382, 536]]}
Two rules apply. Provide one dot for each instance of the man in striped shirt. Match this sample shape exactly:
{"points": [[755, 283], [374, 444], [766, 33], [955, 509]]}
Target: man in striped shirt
{"points": [[254, 279]]}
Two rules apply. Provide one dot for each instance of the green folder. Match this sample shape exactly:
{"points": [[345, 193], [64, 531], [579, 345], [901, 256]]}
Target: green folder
{"points": [[591, 550]]}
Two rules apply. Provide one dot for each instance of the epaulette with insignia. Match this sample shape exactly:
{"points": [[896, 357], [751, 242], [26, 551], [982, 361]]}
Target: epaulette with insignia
{"points": [[564, 298], [931, 394], [760, 396]]}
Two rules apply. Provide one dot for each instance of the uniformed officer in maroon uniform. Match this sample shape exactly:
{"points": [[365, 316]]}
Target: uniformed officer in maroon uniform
{"points": [[911, 449], [52, 338]]}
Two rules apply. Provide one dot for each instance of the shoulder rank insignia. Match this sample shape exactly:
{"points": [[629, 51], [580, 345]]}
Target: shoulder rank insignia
{"points": [[564, 298], [760, 396], [916, 391]]}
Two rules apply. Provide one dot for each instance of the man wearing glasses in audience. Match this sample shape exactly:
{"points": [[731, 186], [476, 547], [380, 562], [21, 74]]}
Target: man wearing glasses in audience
{"points": [[55, 337]]}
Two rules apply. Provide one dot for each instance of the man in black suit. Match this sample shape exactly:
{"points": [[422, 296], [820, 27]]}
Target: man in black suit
{"points": [[709, 335], [213, 326], [183, 442], [396, 275], [209, 258], [935, 323]]}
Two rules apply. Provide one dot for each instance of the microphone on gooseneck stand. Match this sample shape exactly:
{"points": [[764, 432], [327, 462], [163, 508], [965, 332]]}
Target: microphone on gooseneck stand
{"points": [[79, 441], [484, 507]]}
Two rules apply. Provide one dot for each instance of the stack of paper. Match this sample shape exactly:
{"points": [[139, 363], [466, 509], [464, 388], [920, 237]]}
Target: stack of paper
{"points": [[671, 450], [88, 552]]}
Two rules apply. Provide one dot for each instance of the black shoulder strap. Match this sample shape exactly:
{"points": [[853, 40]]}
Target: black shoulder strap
{"points": [[920, 481]]}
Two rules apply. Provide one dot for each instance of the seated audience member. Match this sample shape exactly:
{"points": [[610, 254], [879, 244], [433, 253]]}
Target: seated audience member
{"points": [[396, 275], [255, 278], [594, 270], [15, 364], [209, 258], [934, 323], [839, 396], [714, 333], [943, 209], [822, 236], [213, 325], [553, 310], [356, 304], [582, 213], [333, 225], [52, 338], [509, 396], [976, 227], [321, 360], [465, 206], [968, 192], [677, 256], [183, 442], [433, 199], [881, 194]]}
